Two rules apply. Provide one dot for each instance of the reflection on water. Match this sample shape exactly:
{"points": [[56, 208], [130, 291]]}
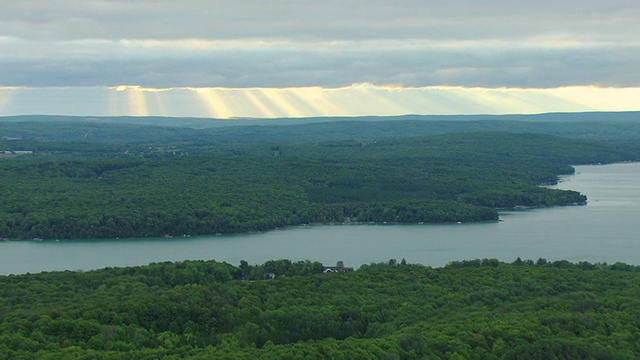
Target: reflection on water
{"points": [[603, 231]]}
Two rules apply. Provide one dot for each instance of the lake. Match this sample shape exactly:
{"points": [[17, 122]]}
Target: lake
{"points": [[605, 230]]}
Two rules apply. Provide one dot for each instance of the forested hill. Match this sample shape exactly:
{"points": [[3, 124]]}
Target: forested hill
{"points": [[479, 309], [602, 126], [84, 190]]}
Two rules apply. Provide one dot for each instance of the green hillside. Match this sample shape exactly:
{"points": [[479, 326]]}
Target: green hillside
{"points": [[480, 309], [79, 190]]}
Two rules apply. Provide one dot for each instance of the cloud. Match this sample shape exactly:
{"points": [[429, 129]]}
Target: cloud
{"points": [[310, 19], [302, 43], [197, 63]]}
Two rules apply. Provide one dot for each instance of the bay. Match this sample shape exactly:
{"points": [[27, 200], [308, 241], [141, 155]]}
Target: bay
{"points": [[605, 230]]}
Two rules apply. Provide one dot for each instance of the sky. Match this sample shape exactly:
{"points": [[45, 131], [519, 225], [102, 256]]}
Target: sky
{"points": [[296, 58]]}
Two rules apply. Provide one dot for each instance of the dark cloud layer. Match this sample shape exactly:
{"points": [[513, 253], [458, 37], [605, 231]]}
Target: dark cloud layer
{"points": [[287, 43]]}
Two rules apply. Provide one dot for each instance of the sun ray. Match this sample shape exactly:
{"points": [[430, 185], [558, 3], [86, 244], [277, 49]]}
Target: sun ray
{"points": [[133, 103], [157, 102], [313, 100], [241, 104], [6, 93], [355, 100], [284, 104], [214, 103], [115, 102], [537, 101], [366, 99], [137, 102], [423, 101], [486, 101], [324, 100], [272, 108], [262, 109]]}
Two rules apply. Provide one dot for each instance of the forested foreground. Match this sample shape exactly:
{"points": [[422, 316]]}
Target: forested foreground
{"points": [[81, 190], [481, 309]]}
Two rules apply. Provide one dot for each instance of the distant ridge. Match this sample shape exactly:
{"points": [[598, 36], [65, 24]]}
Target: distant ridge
{"points": [[199, 123]]}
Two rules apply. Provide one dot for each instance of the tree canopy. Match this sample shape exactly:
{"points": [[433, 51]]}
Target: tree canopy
{"points": [[474, 309], [108, 191]]}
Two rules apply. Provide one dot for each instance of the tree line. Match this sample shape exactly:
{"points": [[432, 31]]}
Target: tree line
{"points": [[473, 309]]}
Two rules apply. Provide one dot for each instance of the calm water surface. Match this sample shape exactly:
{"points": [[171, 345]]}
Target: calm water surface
{"points": [[605, 230]]}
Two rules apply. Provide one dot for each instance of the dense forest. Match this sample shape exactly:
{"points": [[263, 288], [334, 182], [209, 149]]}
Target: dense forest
{"points": [[93, 179], [479, 309], [62, 178], [86, 190]]}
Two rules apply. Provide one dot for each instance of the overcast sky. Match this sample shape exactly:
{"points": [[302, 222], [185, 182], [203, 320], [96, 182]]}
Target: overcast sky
{"points": [[283, 44]]}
